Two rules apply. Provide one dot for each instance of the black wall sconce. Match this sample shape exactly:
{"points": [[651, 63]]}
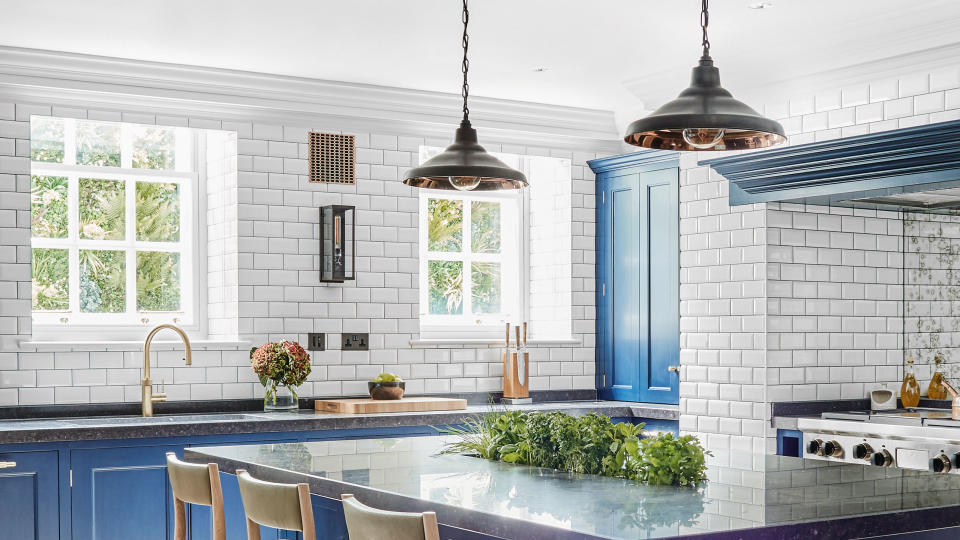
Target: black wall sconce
{"points": [[338, 243]]}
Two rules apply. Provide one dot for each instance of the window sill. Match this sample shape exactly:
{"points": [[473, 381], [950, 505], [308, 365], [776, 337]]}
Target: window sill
{"points": [[489, 342], [166, 345]]}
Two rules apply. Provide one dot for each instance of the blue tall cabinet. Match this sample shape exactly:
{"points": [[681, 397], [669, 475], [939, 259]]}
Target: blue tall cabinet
{"points": [[638, 277]]}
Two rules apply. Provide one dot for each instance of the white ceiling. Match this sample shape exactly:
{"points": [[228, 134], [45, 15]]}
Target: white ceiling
{"points": [[606, 54]]}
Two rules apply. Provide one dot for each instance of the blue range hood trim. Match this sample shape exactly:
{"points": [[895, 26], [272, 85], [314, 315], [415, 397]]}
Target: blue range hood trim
{"points": [[835, 172], [644, 159]]}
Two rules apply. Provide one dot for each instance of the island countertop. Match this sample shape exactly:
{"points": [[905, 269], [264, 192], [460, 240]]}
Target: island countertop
{"points": [[185, 425], [771, 497]]}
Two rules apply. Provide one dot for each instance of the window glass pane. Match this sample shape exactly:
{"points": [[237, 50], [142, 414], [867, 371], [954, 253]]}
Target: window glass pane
{"points": [[485, 277], [50, 284], [485, 227], [158, 212], [102, 209], [444, 225], [445, 280], [158, 281], [98, 144], [48, 206], [46, 139], [153, 147], [102, 281]]}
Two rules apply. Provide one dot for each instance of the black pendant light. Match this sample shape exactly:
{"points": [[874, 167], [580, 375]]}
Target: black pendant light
{"points": [[705, 116], [465, 165]]}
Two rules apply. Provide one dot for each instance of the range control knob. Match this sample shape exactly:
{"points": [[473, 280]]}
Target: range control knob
{"points": [[816, 447], [862, 451], [832, 448], [882, 459], [940, 464]]}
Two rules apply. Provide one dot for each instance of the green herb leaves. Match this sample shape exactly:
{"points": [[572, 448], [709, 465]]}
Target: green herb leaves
{"points": [[590, 444]]}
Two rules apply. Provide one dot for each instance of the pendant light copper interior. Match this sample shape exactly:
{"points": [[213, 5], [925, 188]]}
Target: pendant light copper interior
{"points": [[465, 165], [705, 116]]}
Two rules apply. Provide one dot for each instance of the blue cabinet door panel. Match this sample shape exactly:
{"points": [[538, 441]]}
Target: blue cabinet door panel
{"points": [[121, 493], [29, 501], [638, 289]]}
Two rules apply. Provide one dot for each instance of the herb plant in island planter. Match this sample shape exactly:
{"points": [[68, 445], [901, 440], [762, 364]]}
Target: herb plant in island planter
{"points": [[281, 368]]}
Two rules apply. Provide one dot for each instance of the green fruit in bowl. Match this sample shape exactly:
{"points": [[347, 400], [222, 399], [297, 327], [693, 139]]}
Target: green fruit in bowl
{"points": [[386, 377]]}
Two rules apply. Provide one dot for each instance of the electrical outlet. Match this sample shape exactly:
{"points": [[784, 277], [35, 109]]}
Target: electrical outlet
{"points": [[316, 342], [355, 342]]}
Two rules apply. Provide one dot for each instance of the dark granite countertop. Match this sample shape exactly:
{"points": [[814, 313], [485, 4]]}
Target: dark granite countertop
{"points": [[747, 496], [129, 427]]}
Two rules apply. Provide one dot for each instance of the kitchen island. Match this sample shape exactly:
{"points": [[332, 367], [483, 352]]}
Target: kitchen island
{"points": [[772, 497]]}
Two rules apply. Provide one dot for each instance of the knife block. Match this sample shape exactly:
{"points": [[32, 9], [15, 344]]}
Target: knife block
{"points": [[513, 386]]}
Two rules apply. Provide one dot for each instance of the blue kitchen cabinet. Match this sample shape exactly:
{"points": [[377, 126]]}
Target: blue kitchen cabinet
{"points": [[29, 495], [121, 493], [638, 277]]}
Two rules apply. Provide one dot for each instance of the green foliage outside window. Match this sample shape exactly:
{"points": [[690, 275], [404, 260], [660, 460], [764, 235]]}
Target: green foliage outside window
{"points": [[48, 206], [158, 281], [158, 212], [46, 139], [485, 277], [153, 148], [98, 144], [51, 270], [444, 225], [445, 281], [485, 227], [102, 281], [102, 209]]}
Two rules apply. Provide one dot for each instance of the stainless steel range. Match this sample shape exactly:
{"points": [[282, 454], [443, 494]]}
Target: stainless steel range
{"points": [[919, 439]]}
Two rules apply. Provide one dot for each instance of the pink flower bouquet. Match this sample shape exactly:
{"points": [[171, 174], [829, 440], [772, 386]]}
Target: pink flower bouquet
{"points": [[280, 364]]}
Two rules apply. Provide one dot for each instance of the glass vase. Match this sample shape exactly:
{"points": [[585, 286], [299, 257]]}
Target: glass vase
{"points": [[280, 398]]}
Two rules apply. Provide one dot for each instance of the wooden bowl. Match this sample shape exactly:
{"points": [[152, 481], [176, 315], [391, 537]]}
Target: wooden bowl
{"points": [[386, 390]]}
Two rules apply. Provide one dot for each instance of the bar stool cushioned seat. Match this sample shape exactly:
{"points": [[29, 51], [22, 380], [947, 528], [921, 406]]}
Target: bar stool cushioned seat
{"points": [[367, 523]]}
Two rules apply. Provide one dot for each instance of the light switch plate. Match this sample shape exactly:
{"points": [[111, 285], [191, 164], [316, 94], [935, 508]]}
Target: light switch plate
{"points": [[355, 342], [316, 342]]}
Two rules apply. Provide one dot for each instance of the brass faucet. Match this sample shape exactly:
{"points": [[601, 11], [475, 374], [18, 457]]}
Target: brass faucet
{"points": [[955, 404], [146, 403]]}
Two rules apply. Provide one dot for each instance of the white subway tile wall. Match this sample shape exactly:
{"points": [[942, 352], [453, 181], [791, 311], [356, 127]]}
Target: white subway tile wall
{"points": [[789, 302], [279, 296]]}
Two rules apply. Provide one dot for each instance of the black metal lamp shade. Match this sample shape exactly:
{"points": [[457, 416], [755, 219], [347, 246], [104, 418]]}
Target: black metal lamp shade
{"points": [[338, 243], [708, 113], [465, 163]]}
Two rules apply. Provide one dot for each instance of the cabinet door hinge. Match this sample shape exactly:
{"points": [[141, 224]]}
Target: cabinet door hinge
{"points": [[603, 197], [603, 385], [603, 289], [71, 477]]}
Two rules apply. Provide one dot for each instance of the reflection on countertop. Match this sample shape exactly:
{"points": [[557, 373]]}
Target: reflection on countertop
{"points": [[513, 501]]}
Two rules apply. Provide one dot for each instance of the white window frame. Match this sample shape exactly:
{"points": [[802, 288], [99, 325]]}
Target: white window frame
{"points": [[70, 324], [513, 259]]}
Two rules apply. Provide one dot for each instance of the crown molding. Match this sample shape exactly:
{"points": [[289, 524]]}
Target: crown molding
{"points": [[647, 159], [69, 79]]}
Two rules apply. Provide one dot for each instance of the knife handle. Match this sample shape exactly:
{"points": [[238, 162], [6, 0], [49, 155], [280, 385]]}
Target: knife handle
{"points": [[524, 333], [508, 335], [518, 335]]}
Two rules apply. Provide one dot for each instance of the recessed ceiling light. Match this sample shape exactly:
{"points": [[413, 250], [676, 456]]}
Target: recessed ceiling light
{"points": [[540, 69], [760, 5]]}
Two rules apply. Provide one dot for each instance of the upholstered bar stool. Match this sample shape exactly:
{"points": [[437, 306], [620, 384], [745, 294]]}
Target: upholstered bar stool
{"points": [[281, 506], [366, 523], [195, 484]]}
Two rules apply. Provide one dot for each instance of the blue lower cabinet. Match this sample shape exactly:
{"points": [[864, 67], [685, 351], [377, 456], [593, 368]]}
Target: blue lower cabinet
{"points": [[29, 495], [121, 493]]}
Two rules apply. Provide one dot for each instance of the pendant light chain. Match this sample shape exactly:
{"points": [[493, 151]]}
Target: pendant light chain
{"points": [[465, 66], [704, 22]]}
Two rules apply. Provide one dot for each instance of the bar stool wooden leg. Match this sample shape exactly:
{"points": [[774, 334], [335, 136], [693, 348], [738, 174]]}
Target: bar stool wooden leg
{"points": [[253, 530], [179, 520], [216, 499], [306, 513]]}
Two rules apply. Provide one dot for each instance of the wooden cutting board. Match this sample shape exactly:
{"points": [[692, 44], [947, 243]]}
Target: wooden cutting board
{"points": [[407, 404]]}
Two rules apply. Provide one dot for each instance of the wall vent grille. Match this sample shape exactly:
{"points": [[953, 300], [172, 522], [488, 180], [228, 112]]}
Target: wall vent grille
{"points": [[332, 158]]}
